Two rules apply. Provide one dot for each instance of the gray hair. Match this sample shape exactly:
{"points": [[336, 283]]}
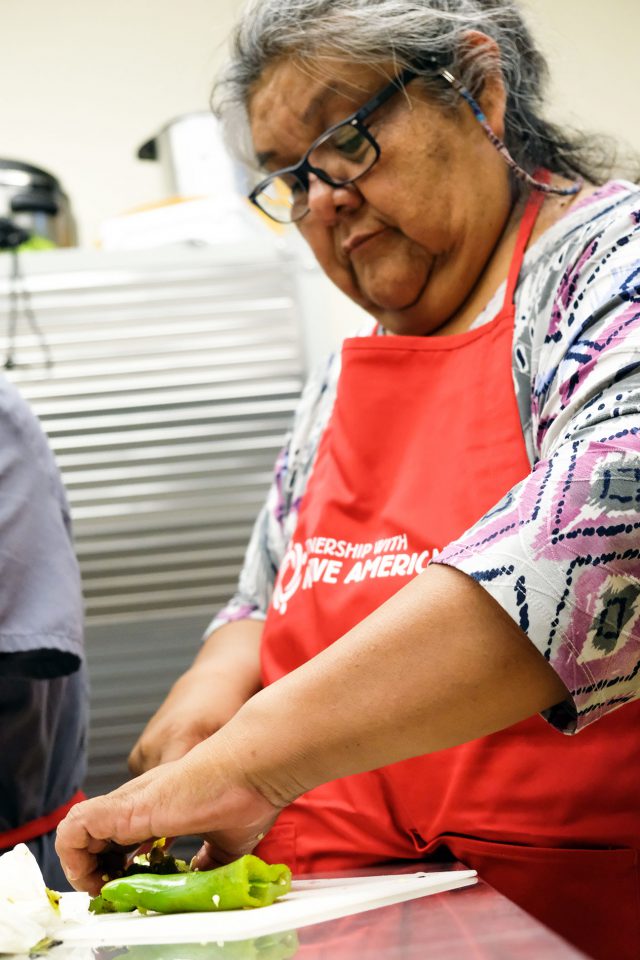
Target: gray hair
{"points": [[374, 32]]}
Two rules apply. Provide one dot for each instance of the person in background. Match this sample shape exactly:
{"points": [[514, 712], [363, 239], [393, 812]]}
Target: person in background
{"points": [[43, 682], [434, 649]]}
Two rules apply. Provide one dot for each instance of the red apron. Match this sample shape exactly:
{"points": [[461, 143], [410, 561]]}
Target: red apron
{"points": [[40, 826], [424, 438]]}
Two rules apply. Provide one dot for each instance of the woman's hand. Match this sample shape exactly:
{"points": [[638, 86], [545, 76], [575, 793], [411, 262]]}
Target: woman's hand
{"points": [[199, 703], [205, 794], [223, 677]]}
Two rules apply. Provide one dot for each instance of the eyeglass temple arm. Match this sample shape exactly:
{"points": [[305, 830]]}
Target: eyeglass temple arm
{"points": [[392, 88], [428, 62]]}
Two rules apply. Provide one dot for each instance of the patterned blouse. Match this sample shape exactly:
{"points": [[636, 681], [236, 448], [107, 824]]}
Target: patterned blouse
{"points": [[561, 551]]}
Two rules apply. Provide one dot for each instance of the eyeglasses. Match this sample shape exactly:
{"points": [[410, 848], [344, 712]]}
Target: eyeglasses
{"points": [[348, 150], [341, 155]]}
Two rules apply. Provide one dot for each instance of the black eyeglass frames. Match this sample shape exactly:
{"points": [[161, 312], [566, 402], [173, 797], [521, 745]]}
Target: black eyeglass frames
{"points": [[348, 150]]}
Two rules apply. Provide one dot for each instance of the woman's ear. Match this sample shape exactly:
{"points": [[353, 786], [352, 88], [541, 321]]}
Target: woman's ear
{"points": [[480, 55]]}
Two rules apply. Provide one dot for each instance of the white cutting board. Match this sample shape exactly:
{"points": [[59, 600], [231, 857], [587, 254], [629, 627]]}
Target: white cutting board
{"points": [[310, 901]]}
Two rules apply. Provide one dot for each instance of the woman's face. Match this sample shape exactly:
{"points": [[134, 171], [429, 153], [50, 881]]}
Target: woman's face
{"points": [[408, 240]]}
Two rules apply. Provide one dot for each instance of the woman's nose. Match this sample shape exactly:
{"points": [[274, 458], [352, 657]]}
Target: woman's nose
{"points": [[329, 203]]}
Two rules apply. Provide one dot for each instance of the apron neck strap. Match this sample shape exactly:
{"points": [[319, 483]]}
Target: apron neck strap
{"points": [[529, 217]]}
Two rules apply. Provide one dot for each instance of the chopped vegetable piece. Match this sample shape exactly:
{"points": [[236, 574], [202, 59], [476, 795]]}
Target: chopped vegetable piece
{"points": [[245, 883], [98, 905], [43, 946], [156, 861], [54, 899], [114, 861]]}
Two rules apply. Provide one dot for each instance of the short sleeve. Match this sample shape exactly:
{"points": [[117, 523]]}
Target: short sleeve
{"points": [[40, 590], [561, 551]]}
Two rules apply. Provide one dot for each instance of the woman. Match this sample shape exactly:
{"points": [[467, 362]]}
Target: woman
{"points": [[449, 548]]}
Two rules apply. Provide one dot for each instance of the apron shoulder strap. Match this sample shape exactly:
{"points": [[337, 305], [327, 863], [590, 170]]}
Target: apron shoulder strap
{"points": [[529, 217]]}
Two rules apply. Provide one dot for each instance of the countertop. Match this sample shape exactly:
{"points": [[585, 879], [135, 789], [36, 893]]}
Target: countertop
{"points": [[474, 923]]}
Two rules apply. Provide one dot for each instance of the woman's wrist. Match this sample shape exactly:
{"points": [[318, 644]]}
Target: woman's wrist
{"points": [[217, 677], [263, 750], [230, 655]]}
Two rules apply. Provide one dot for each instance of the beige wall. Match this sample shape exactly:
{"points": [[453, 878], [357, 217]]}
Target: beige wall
{"points": [[85, 82], [592, 46]]}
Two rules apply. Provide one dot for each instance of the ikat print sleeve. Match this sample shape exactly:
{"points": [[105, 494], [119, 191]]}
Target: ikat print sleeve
{"points": [[561, 551]]}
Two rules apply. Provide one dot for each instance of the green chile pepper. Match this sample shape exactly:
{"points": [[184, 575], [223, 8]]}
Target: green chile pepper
{"points": [[247, 882]]}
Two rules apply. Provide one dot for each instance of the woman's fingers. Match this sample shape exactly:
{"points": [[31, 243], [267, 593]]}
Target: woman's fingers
{"points": [[170, 735], [140, 758], [149, 753], [82, 837], [111, 824], [227, 845], [157, 744], [199, 703]]}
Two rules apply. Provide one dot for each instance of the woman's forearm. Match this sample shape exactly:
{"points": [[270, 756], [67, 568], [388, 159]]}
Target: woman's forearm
{"points": [[437, 665], [233, 651]]}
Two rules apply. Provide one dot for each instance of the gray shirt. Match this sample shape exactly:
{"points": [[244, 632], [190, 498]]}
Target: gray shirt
{"points": [[43, 684]]}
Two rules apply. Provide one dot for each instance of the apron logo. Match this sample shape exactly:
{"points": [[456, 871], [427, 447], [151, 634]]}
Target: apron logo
{"points": [[289, 576], [329, 561]]}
